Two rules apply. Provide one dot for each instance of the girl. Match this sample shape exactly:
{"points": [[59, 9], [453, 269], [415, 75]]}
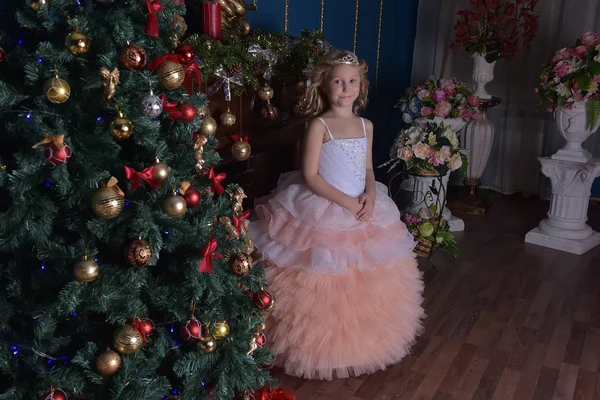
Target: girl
{"points": [[341, 261]]}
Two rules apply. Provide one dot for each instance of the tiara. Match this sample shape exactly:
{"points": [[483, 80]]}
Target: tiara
{"points": [[347, 59]]}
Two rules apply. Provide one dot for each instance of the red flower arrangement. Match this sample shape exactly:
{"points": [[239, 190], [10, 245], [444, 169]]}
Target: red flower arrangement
{"points": [[496, 28]]}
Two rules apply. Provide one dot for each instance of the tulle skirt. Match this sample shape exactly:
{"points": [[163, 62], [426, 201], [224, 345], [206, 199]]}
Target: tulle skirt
{"points": [[349, 292]]}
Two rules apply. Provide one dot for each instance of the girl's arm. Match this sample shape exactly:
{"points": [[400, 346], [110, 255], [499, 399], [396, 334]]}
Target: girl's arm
{"points": [[310, 164], [370, 187]]}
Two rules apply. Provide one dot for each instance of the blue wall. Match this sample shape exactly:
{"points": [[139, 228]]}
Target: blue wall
{"points": [[398, 28]]}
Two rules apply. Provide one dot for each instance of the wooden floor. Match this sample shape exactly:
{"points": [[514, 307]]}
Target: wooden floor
{"points": [[511, 321]]}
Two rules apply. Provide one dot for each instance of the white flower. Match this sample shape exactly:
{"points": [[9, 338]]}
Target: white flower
{"points": [[563, 90], [455, 162], [403, 106], [593, 87], [422, 151], [406, 118], [439, 239], [431, 139], [405, 153], [425, 213], [452, 138], [423, 93], [414, 135]]}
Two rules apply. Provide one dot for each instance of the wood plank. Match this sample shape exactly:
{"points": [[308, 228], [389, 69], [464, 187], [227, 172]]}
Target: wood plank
{"points": [[538, 307], [436, 374], [530, 372], [575, 343], [507, 385], [458, 368], [590, 356], [471, 379], [546, 384], [565, 385], [558, 344], [491, 376], [585, 386]]}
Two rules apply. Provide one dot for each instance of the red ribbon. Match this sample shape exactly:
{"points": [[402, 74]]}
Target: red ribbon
{"points": [[238, 222], [153, 7], [167, 57], [136, 177], [138, 326], [192, 73], [267, 393], [237, 138], [171, 108], [208, 253], [216, 181]]}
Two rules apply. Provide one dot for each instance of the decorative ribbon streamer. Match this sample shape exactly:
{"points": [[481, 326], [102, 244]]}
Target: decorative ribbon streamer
{"points": [[216, 179], [208, 253], [225, 81], [192, 73], [237, 138], [136, 177], [48, 138], [171, 108], [239, 222], [271, 58], [112, 183], [138, 325], [153, 7], [267, 393], [184, 186], [167, 57]]}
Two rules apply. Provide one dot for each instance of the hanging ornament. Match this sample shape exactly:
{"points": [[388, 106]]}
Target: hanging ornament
{"points": [[266, 92], [108, 363], [108, 201], [225, 80], [170, 72], [110, 80], [240, 149], [57, 90], [136, 177], [258, 339], [2, 55], [191, 330], [86, 270], [209, 251], [237, 199], [248, 247], [147, 326], [55, 394], [120, 127], [264, 300], [139, 253], [207, 345], [216, 180], [55, 150], [228, 118], [133, 57], [209, 45], [209, 126], [151, 105], [218, 329], [201, 140], [127, 340], [161, 171], [202, 112], [183, 111], [179, 28], [232, 233], [269, 111], [175, 205], [191, 195], [241, 222], [153, 7], [38, 5], [241, 264], [77, 43], [185, 53]]}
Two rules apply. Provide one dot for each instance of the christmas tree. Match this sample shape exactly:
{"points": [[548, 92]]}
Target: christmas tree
{"points": [[126, 268]]}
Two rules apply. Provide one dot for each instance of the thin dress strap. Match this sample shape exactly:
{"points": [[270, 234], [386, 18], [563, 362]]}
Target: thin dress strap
{"points": [[326, 127], [364, 129]]}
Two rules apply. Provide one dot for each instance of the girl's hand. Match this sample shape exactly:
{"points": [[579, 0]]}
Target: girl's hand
{"points": [[354, 206], [367, 200]]}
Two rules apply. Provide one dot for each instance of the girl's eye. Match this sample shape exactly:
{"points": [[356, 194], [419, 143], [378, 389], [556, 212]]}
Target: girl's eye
{"points": [[337, 81], [353, 81]]}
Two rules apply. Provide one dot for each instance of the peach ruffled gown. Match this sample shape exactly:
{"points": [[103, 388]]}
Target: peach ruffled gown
{"points": [[349, 292]]}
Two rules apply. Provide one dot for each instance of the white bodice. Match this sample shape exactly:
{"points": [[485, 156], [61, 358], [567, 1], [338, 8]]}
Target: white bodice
{"points": [[343, 162]]}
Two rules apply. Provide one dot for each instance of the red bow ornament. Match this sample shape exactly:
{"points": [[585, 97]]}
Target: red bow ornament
{"points": [[136, 177], [192, 73], [216, 180], [237, 138], [208, 253], [266, 393], [139, 326], [153, 7], [240, 222]]}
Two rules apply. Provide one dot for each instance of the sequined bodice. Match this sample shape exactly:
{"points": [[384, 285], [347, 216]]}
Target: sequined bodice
{"points": [[343, 163]]}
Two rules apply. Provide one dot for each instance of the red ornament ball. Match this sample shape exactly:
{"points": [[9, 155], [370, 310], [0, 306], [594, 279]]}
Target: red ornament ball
{"points": [[269, 111], [54, 394], [2, 54], [133, 57], [185, 53], [139, 253], [188, 112], [192, 197], [261, 339], [56, 155], [192, 330], [264, 300], [147, 326]]}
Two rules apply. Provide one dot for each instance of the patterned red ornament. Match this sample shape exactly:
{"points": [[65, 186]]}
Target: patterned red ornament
{"points": [[139, 253], [54, 394], [185, 53], [192, 330], [133, 57], [264, 300], [269, 111], [55, 150], [261, 339]]}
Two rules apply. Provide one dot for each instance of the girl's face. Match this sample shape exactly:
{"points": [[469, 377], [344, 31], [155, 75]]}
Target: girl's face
{"points": [[342, 86]]}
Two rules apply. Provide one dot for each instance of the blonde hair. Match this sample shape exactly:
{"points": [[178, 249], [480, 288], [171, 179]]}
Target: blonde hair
{"points": [[316, 99]]}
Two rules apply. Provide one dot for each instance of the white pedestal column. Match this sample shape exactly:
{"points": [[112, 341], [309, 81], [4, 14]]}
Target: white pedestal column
{"points": [[565, 228]]}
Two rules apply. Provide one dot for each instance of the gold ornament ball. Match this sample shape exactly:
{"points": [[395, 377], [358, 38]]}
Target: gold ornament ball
{"points": [[209, 126], [241, 264], [266, 93], [203, 112], [120, 127], [244, 27], [127, 340], [208, 44], [86, 270], [108, 202], [228, 118], [57, 90], [170, 75], [108, 363], [219, 329], [241, 150], [207, 345], [175, 205], [161, 172], [77, 43]]}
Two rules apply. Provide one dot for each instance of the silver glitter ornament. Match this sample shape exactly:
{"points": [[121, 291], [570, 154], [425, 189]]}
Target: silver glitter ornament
{"points": [[151, 105]]}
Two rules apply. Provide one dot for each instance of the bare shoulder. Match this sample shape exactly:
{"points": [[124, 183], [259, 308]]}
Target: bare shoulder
{"points": [[315, 128]]}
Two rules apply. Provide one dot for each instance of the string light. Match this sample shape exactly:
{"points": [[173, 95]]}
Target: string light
{"points": [[43, 267], [28, 116], [99, 118], [166, 232]]}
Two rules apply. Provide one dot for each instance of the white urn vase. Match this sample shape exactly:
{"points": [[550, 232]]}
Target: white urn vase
{"points": [[573, 126], [483, 72]]}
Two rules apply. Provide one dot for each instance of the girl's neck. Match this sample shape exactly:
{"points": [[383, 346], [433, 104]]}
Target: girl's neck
{"points": [[340, 112]]}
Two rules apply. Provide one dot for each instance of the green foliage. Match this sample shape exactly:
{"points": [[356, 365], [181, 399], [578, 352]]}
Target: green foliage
{"points": [[52, 327], [593, 113]]}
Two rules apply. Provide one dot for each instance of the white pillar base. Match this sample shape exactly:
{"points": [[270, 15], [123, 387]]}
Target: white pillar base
{"points": [[574, 246]]}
